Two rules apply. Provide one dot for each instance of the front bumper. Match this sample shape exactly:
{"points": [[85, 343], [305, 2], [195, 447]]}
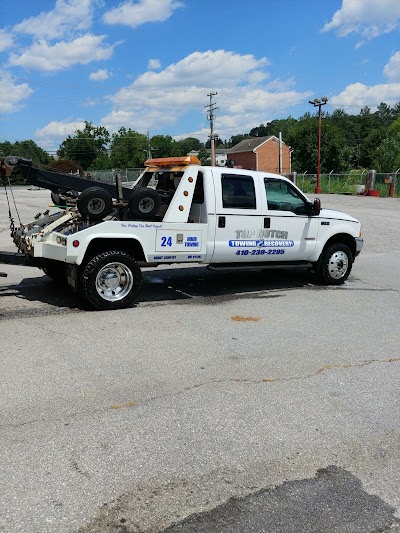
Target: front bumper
{"points": [[359, 245]]}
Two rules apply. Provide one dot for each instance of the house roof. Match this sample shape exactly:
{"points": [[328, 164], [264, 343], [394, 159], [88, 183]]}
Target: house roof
{"points": [[250, 145], [219, 151]]}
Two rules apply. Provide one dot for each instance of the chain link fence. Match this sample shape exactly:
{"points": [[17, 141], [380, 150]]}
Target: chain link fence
{"points": [[128, 175], [350, 183]]}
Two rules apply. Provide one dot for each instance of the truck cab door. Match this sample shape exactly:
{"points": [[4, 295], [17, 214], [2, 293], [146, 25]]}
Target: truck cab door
{"points": [[238, 217], [292, 230]]}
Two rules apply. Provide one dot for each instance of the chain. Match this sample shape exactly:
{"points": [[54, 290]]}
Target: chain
{"points": [[15, 203], [12, 225]]}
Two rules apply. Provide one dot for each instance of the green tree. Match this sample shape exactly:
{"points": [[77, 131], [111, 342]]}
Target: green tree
{"points": [[394, 127], [236, 139], [128, 149], [304, 139], [165, 146], [85, 145], [26, 149], [6, 148], [387, 155], [189, 144], [102, 162], [275, 127], [384, 114], [204, 157]]}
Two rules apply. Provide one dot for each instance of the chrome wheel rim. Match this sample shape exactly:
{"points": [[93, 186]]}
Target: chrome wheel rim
{"points": [[114, 281], [338, 264], [146, 205]]}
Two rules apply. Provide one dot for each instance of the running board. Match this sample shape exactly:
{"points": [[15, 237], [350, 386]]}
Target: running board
{"points": [[259, 266]]}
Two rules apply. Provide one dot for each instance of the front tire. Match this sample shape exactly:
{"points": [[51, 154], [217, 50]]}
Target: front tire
{"points": [[110, 280], [335, 264]]}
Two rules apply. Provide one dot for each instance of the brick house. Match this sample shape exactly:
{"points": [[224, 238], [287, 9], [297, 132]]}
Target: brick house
{"points": [[261, 153]]}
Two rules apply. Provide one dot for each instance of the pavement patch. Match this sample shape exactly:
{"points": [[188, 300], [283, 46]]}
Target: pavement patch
{"points": [[332, 502]]}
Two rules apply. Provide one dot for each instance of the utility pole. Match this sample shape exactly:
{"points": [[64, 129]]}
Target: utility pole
{"points": [[210, 116], [149, 148]]}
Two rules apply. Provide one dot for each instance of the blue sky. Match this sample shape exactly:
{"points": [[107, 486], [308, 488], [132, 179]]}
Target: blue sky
{"points": [[149, 64]]}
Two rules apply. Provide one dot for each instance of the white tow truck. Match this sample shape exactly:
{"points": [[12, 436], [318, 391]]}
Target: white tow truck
{"points": [[180, 212]]}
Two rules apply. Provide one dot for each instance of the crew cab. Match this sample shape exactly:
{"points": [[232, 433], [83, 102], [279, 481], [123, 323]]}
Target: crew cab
{"points": [[221, 217]]}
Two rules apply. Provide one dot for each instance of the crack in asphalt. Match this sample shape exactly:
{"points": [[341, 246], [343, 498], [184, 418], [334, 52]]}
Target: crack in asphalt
{"points": [[321, 370], [133, 404]]}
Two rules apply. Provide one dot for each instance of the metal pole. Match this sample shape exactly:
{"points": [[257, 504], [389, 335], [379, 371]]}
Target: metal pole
{"points": [[319, 103], [318, 187]]}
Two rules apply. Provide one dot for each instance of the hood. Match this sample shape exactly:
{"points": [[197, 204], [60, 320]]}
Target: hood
{"points": [[336, 215]]}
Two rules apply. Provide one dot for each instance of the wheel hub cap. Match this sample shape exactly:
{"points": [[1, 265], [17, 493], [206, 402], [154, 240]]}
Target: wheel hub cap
{"points": [[338, 265], [114, 281]]}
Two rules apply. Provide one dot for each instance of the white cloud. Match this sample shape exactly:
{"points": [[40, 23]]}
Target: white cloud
{"points": [[99, 75], [210, 69], [57, 130], [12, 93], [392, 69], [154, 64], [62, 55], [157, 100], [6, 40], [357, 95], [141, 11], [281, 85], [67, 16], [368, 18]]}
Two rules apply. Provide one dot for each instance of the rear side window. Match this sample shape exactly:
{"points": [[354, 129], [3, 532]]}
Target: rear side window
{"points": [[198, 195], [238, 192]]}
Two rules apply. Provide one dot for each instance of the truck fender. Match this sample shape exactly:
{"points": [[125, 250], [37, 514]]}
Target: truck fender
{"points": [[130, 244]]}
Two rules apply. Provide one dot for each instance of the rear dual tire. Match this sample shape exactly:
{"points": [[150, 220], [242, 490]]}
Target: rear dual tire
{"points": [[95, 203]]}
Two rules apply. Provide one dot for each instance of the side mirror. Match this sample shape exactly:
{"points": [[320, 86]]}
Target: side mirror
{"points": [[316, 207]]}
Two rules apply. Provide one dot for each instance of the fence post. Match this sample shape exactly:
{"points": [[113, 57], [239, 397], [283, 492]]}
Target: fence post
{"points": [[329, 181], [395, 179], [304, 175]]}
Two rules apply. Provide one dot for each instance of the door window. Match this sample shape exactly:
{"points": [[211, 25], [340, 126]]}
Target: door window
{"points": [[281, 196], [238, 192]]}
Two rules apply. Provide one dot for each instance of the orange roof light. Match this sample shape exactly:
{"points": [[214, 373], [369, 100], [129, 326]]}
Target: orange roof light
{"points": [[169, 161]]}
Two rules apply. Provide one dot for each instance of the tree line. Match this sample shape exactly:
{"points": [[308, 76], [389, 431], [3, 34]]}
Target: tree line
{"points": [[366, 140]]}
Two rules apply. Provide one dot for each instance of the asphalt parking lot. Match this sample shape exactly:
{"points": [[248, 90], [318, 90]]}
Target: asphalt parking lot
{"points": [[220, 402]]}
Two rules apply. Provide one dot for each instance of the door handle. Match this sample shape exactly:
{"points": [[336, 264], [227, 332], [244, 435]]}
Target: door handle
{"points": [[267, 222], [221, 222]]}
